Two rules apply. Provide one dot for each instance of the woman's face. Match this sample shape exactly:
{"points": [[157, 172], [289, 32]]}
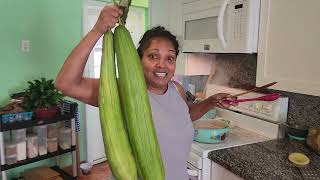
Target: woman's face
{"points": [[159, 64]]}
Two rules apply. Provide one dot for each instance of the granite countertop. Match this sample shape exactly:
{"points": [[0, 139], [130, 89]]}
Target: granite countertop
{"points": [[266, 160]]}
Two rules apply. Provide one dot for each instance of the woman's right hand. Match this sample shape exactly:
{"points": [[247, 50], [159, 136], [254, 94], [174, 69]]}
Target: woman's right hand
{"points": [[107, 19]]}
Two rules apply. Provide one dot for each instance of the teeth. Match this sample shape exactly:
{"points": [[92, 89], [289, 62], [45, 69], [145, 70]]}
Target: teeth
{"points": [[161, 74]]}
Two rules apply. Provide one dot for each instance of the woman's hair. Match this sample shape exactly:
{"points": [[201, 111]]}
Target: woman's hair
{"points": [[158, 31]]}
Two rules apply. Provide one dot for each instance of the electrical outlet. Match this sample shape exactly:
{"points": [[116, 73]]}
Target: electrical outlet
{"points": [[25, 46]]}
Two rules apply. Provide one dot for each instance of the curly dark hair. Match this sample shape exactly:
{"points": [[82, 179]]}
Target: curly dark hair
{"points": [[158, 31]]}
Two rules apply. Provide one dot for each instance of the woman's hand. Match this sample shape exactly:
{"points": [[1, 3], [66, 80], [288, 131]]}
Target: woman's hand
{"points": [[217, 100], [107, 19]]}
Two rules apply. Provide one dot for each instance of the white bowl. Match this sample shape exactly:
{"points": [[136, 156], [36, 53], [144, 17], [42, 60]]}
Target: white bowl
{"points": [[86, 168]]}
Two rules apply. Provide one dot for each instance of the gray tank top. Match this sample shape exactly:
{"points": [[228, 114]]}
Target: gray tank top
{"points": [[174, 131]]}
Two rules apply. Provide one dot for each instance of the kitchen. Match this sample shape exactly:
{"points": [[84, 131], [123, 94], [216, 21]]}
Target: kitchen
{"points": [[296, 73]]}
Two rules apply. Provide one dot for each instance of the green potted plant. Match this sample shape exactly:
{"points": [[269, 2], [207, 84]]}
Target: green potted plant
{"points": [[42, 98]]}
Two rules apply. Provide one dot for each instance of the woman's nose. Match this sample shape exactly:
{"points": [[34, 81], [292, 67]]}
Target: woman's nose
{"points": [[160, 63]]}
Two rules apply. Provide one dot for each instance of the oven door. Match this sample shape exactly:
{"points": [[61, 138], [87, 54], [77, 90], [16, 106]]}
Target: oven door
{"points": [[193, 172]]}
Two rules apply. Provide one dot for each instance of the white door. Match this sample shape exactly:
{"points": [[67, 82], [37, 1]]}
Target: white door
{"points": [[136, 23], [95, 147]]}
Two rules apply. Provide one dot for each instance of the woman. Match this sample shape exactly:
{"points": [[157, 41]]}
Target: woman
{"points": [[172, 116]]}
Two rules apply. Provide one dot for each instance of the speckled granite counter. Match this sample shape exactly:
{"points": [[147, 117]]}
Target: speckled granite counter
{"points": [[266, 160]]}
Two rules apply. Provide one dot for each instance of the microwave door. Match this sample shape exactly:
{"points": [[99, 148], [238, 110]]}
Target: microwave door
{"points": [[201, 32]]}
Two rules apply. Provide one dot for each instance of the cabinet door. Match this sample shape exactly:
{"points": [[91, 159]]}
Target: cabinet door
{"points": [[218, 172], [289, 50], [168, 14]]}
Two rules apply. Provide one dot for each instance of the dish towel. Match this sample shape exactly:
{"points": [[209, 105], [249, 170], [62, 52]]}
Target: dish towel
{"points": [[72, 107]]}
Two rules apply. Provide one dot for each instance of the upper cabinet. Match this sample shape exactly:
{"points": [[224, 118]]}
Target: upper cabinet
{"points": [[289, 50], [168, 13]]}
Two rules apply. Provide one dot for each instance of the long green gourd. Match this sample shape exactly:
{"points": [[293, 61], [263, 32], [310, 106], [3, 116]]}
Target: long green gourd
{"points": [[136, 107], [117, 146]]}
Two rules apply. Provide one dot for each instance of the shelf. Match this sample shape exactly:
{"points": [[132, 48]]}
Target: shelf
{"points": [[38, 158], [33, 122]]}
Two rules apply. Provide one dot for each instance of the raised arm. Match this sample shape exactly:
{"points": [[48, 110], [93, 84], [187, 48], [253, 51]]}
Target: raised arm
{"points": [[70, 80]]}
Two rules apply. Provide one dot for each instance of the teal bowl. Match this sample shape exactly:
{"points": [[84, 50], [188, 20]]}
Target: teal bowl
{"points": [[211, 135]]}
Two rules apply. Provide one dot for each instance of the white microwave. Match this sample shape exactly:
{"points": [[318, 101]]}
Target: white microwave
{"points": [[220, 26]]}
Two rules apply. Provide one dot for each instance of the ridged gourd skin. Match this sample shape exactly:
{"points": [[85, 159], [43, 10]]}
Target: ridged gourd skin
{"points": [[116, 142], [136, 107]]}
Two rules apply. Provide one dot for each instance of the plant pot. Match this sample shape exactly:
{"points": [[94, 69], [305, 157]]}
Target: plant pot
{"points": [[43, 113]]}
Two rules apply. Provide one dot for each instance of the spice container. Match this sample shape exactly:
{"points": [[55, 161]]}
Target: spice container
{"points": [[21, 150], [11, 159], [52, 144], [65, 138], [10, 149], [32, 146], [52, 130], [19, 135]]}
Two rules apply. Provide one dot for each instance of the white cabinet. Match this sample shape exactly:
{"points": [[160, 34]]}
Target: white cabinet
{"points": [[289, 50], [168, 13]]}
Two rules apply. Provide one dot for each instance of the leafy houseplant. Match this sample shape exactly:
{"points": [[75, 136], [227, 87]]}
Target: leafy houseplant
{"points": [[42, 97]]}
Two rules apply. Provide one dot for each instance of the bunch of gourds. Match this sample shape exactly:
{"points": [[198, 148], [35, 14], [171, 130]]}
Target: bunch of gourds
{"points": [[127, 127]]}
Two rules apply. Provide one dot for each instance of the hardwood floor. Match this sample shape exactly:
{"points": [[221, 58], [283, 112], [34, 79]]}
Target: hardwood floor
{"points": [[99, 172]]}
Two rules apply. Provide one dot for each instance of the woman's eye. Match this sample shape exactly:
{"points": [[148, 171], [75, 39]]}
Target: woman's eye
{"points": [[171, 59], [152, 56]]}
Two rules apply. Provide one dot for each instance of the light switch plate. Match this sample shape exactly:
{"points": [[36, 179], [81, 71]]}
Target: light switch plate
{"points": [[25, 46]]}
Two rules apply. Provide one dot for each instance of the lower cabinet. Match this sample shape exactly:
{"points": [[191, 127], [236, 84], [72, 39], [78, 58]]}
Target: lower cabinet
{"points": [[218, 172]]}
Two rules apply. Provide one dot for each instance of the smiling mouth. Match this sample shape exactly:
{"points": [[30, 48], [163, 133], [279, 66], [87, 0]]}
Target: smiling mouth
{"points": [[161, 74]]}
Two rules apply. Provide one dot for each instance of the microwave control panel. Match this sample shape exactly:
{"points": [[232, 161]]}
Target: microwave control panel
{"points": [[238, 10]]}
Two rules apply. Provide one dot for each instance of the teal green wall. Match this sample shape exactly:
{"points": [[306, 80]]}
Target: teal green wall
{"points": [[53, 27]]}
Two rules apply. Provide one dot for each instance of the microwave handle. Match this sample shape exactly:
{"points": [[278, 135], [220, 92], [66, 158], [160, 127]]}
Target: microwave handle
{"points": [[220, 23]]}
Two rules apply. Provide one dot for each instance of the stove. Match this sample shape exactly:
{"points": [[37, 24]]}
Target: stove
{"points": [[250, 122]]}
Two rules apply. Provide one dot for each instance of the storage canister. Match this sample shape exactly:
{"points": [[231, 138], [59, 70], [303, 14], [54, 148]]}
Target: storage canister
{"points": [[52, 130], [19, 135], [11, 159], [10, 149], [32, 146], [65, 138], [21, 150], [42, 146], [52, 144]]}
